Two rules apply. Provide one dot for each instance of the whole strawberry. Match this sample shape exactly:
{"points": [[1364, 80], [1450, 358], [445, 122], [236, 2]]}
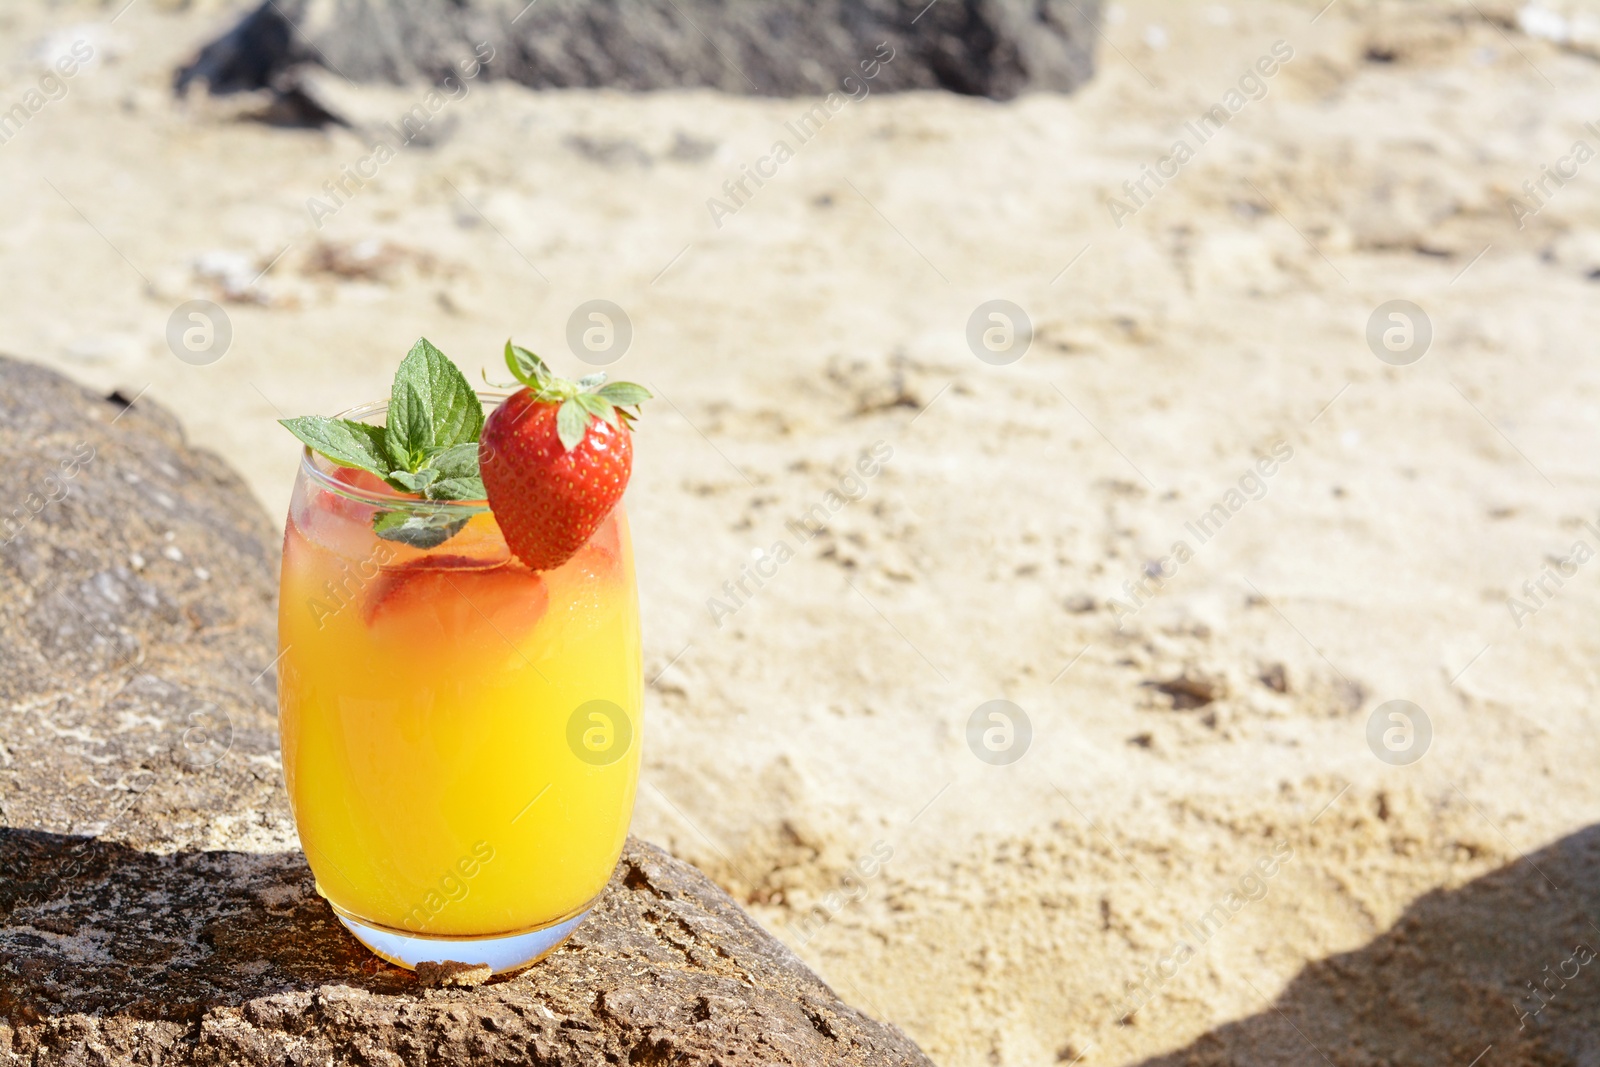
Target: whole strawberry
{"points": [[555, 458]]}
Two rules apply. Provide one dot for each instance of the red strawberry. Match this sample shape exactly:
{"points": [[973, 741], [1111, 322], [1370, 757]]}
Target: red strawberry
{"points": [[555, 458]]}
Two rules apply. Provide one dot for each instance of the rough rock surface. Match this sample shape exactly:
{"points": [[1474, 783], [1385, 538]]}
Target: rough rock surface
{"points": [[994, 48], [152, 908]]}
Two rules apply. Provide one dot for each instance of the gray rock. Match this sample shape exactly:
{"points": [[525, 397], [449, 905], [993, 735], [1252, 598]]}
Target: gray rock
{"points": [[153, 909], [994, 48]]}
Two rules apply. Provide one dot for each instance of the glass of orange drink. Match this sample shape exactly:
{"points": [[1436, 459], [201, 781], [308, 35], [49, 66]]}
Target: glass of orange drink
{"points": [[460, 733]]}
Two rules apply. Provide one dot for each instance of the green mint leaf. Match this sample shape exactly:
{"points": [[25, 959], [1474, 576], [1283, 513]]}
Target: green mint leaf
{"points": [[347, 443], [572, 422], [457, 411], [415, 483], [625, 394], [458, 489], [432, 406], [419, 530], [409, 425], [457, 461], [525, 366], [429, 446]]}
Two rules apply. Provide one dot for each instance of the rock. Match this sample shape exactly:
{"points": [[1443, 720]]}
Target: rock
{"points": [[153, 907], [994, 48], [451, 973], [138, 582], [1192, 688]]}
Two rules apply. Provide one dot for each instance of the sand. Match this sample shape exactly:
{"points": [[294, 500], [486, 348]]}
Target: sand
{"points": [[1199, 719]]}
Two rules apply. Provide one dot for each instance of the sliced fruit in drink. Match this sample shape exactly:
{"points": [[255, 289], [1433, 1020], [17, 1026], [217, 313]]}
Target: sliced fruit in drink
{"points": [[466, 601]]}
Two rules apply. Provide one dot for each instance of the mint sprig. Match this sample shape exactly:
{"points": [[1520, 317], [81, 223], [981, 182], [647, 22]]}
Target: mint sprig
{"points": [[580, 401], [428, 446]]}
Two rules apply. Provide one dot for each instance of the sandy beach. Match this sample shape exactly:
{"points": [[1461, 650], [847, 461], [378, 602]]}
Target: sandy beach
{"points": [[1359, 524]]}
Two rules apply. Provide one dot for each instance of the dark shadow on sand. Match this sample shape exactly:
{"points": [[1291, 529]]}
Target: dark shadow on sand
{"points": [[1448, 981]]}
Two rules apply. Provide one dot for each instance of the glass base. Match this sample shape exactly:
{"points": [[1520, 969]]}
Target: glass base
{"points": [[511, 952]]}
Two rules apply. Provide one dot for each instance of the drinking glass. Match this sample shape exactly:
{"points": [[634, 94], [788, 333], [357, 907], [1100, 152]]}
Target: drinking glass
{"points": [[460, 733]]}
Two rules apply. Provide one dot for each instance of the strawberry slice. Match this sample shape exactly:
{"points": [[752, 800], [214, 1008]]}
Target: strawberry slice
{"points": [[336, 522], [555, 458], [465, 601], [347, 508], [363, 481]]}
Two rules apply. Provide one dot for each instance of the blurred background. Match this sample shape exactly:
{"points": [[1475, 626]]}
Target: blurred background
{"points": [[1232, 371]]}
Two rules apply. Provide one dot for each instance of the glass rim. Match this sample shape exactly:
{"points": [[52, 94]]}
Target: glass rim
{"points": [[391, 499]]}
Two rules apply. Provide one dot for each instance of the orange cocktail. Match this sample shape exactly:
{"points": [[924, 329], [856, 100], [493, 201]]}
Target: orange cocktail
{"points": [[460, 733]]}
